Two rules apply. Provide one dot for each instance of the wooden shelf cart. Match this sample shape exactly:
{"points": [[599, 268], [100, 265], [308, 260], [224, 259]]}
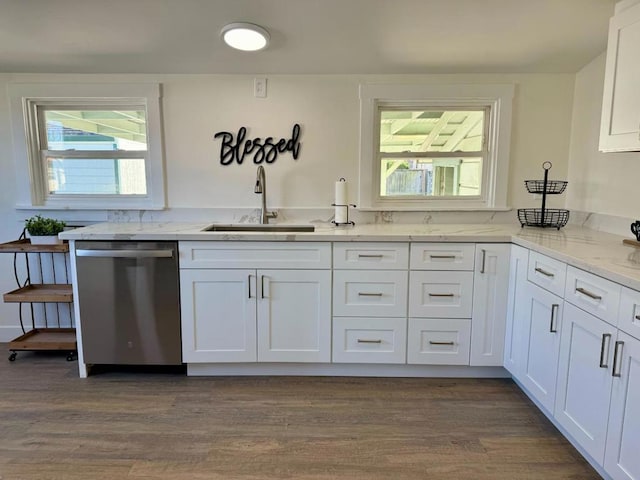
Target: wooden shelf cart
{"points": [[44, 337]]}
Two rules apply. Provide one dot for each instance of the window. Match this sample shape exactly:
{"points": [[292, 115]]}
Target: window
{"points": [[434, 147], [98, 151]]}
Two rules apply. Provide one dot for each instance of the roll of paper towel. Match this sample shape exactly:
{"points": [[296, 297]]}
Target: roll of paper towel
{"points": [[341, 201]]}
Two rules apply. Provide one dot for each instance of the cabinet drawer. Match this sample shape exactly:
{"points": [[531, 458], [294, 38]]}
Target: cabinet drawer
{"points": [[440, 294], [438, 341], [291, 255], [371, 256], [593, 294], [369, 340], [547, 272], [629, 315], [374, 293], [442, 256]]}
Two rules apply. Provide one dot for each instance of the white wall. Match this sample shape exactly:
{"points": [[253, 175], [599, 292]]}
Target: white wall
{"points": [[602, 183], [327, 108]]}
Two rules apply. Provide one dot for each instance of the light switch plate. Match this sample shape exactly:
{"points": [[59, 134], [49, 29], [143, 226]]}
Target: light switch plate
{"points": [[260, 87]]}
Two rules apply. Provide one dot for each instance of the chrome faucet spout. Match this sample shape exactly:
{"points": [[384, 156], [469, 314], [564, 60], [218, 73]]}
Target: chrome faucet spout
{"points": [[261, 189]]}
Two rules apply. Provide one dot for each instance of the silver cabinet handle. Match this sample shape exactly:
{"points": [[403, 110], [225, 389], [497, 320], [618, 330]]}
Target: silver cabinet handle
{"points": [[605, 336], [544, 272], [361, 340], [442, 256], [365, 294], [637, 317], [484, 259], [442, 295], [440, 343], [588, 293], [367, 255], [554, 309], [249, 282], [620, 344], [160, 253], [262, 295]]}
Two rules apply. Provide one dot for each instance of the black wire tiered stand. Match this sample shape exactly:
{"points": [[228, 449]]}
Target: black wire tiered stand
{"points": [[544, 217]]}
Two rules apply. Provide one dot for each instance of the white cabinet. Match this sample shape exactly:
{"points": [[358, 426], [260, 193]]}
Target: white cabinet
{"points": [[294, 315], [547, 272], [438, 341], [369, 340], [218, 315], [584, 379], [620, 123], [515, 312], [370, 293], [542, 317], [370, 302], [255, 314], [622, 461], [490, 296], [440, 303]]}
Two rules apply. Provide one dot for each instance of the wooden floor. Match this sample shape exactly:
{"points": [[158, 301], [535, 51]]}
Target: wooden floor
{"points": [[124, 425]]}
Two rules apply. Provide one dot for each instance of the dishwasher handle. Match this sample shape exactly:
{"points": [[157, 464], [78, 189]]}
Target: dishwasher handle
{"points": [[158, 253]]}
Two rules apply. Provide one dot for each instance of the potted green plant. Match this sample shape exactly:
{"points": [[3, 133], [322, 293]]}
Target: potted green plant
{"points": [[43, 230]]}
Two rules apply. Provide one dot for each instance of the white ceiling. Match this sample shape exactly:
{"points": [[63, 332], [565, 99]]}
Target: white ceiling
{"points": [[308, 36]]}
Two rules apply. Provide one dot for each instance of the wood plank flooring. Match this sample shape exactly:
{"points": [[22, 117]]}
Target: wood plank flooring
{"points": [[131, 425]]}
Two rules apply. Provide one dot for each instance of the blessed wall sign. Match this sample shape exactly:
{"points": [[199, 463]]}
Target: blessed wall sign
{"points": [[267, 150]]}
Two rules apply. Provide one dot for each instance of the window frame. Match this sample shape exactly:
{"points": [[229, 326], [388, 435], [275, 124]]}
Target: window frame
{"points": [[31, 173], [495, 168]]}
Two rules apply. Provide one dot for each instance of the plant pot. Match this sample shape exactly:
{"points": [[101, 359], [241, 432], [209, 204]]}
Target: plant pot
{"points": [[45, 240]]}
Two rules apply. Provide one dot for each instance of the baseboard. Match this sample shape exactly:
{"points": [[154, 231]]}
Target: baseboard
{"points": [[8, 333]]}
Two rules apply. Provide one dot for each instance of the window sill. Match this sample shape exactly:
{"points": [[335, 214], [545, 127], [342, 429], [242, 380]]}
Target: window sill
{"points": [[391, 208]]}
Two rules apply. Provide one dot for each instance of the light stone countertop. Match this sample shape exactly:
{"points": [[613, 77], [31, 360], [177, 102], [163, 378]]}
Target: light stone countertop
{"points": [[600, 253]]}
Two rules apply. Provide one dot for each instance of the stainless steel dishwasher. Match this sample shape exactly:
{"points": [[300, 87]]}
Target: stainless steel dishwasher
{"points": [[128, 296]]}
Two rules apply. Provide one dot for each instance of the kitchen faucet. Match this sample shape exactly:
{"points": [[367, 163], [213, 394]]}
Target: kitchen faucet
{"points": [[261, 188]]}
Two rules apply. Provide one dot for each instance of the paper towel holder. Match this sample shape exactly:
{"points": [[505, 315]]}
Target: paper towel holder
{"points": [[346, 206]]}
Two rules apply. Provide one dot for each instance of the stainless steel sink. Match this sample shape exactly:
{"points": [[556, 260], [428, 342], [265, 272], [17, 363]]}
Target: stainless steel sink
{"points": [[257, 227]]}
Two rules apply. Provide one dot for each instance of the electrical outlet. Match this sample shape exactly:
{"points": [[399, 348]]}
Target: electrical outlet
{"points": [[260, 87]]}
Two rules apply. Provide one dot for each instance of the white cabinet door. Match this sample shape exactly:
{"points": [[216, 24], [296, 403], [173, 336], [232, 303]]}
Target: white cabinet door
{"points": [[490, 295], [622, 460], [515, 313], [218, 310], [584, 379], [620, 124], [541, 344], [294, 315]]}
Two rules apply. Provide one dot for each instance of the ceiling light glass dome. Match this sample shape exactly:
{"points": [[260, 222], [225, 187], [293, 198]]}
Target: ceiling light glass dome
{"points": [[245, 36]]}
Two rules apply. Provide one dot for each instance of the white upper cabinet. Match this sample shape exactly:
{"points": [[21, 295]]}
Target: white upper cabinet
{"points": [[620, 125]]}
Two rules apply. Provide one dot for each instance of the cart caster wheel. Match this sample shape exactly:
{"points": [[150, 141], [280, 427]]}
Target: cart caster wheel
{"points": [[12, 356], [70, 357]]}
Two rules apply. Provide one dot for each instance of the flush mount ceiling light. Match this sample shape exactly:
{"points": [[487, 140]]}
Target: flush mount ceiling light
{"points": [[245, 36]]}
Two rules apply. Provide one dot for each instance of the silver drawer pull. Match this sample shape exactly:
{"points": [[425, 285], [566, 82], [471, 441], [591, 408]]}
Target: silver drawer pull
{"points": [[618, 373], [360, 340], [588, 293], [442, 295], [440, 343], [605, 336], [544, 272], [442, 256], [366, 294], [367, 255]]}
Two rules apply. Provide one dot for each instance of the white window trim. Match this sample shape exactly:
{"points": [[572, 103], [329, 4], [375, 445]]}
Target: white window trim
{"points": [[23, 98], [495, 171]]}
